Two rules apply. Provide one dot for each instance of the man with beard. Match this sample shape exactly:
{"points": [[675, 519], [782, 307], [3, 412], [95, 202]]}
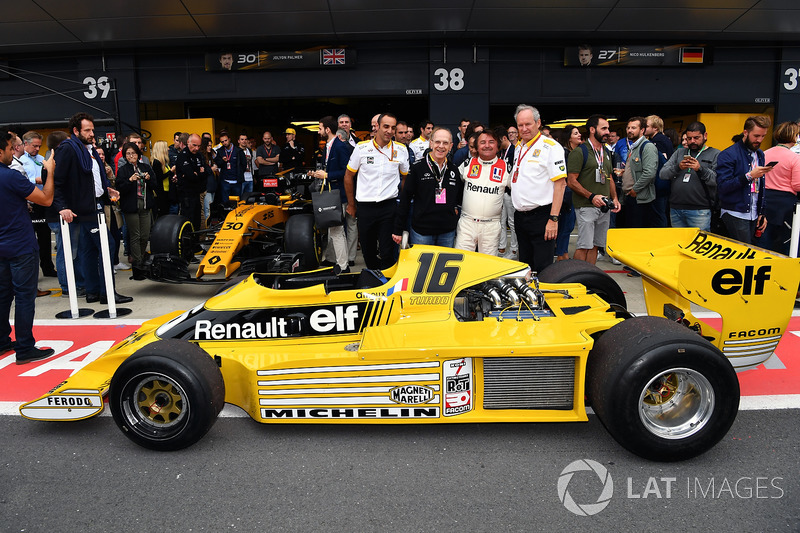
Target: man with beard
{"points": [[590, 176], [537, 189], [740, 181], [337, 153], [435, 186], [80, 185], [638, 177], [485, 180], [381, 165], [232, 164], [692, 174]]}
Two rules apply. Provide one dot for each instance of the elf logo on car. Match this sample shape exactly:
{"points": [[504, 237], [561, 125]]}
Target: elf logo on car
{"points": [[343, 319], [729, 280]]}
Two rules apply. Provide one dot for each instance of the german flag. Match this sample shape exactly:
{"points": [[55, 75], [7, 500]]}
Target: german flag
{"points": [[692, 55]]}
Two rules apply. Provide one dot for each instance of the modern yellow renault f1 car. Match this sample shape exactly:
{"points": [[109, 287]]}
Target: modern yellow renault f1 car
{"points": [[262, 232], [448, 336]]}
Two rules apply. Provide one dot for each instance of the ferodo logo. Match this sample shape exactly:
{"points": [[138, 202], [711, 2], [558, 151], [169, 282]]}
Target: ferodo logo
{"points": [[730, 281]]}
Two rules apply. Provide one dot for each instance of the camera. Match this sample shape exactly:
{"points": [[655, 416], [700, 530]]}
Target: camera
{"points": [[608, 204]]}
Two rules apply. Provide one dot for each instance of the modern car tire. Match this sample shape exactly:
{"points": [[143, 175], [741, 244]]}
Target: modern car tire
{"points": [[300, 235], [167, 395], [172, 234], [662, 391], [593, 278]]}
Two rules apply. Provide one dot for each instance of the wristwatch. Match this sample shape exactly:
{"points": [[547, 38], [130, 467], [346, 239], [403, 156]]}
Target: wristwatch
{"points": [[554, 218]]}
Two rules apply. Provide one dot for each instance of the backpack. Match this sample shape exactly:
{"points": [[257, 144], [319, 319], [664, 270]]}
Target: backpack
{"points": [[662, 186]]}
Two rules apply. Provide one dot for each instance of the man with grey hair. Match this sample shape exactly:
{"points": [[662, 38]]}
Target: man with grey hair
{"points": [[538, 182], [345, 123], [33, 164]]}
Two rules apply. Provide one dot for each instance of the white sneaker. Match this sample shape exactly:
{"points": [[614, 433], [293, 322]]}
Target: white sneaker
{"points": [[615, 261], [122, 266]]}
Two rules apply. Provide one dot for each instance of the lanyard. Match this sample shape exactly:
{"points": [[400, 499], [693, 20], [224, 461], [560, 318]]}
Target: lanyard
{"points": [[530, 145], [228, 153], [437, 173], [689, 151], [599, 156], [391, 150]]}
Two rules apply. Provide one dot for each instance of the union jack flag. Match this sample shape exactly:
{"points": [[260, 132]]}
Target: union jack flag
{"points": [[333, 56]]}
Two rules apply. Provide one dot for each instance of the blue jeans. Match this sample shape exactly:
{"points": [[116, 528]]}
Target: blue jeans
{"points": [[61, 268], [691, 218], [247, 187], [229, 189], [443, 239], [18, 278]]}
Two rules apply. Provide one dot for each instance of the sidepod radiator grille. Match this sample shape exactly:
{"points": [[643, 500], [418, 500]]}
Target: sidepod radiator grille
{"points": [[528, 382]]}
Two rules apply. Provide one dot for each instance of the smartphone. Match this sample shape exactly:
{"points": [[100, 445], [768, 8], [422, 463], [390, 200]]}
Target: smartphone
{"points": [[687, 156], [772, 163]]}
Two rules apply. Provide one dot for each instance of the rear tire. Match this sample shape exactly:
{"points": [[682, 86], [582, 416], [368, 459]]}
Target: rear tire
{"points": [[167, 395], [300, 235], [662, 391], [173, 235], [593, 278]]}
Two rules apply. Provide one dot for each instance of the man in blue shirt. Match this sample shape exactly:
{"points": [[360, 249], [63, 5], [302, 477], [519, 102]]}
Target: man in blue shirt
{"points": [[19, 251]]}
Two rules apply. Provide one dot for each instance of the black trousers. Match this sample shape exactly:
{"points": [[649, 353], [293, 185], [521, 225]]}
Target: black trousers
{"points": [[533, 248], [375, 227], [191, 209]]}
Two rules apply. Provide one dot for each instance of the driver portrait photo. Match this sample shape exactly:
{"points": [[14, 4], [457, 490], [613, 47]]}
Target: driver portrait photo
{"points": [[585, 55], [226, 60]]}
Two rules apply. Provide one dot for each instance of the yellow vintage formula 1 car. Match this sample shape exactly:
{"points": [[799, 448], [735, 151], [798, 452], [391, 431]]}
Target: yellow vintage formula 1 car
{"points": [[447, 336]]}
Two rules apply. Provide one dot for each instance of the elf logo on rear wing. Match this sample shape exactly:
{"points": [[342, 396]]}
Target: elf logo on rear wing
{"points": [[730, 281]]}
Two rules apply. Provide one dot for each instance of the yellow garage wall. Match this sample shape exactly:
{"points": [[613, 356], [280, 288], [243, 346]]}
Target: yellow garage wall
{"points": [[162, 130], [722, 126]]}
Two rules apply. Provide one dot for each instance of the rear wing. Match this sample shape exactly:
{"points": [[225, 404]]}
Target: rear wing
{"points": [[751, 288]]}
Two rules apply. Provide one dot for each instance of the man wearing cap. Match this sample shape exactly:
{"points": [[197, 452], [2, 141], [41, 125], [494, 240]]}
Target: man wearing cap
{"points": [[293, 153]]}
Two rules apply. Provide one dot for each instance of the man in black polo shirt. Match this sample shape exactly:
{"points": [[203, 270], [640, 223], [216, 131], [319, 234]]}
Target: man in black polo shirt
{"points": [[192, 175]]}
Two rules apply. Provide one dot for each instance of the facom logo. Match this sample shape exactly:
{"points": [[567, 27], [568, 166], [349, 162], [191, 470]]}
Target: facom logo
{"points": [[586, 509]]}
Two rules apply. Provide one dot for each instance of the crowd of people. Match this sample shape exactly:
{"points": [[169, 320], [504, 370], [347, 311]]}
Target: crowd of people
{"points": [[517, 191]]}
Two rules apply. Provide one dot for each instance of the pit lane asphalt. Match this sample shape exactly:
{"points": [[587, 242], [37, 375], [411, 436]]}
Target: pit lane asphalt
{"points": [[244, 476]]}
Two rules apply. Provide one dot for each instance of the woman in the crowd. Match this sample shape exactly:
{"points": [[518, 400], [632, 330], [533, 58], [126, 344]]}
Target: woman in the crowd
{"points": [[570, 138], [135, 186], [165, 183], [781, 188]]}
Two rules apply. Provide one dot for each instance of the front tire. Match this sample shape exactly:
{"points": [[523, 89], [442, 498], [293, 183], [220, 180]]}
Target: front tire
{"points": [[172, 234], [661, 390], [300, 235], [592, 277], [167, 395]]}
